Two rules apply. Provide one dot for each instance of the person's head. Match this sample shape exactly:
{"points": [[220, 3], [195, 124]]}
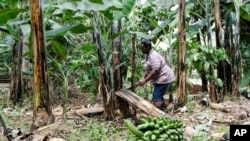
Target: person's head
{"points": [[145, 46]]}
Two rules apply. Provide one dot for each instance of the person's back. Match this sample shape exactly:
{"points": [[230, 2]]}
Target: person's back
{"points": [[157, 61]]}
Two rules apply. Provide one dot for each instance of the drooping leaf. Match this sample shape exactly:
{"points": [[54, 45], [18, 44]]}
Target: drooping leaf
{"points": [[118, 34], [80, 29], [195, 27], [97, 1], [127, 6], [12, 3], [59, 49], [160, 27], [8, 14], [58, 32], [108, 14], [113, 13], [245, 13]]}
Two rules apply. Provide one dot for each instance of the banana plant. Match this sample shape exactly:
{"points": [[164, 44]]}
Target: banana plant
{"points": [[65, 72], [10, 22], [201, 58], [74, 10]]}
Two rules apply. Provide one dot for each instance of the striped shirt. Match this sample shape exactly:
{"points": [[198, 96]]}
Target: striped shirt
{"points": [[156, 61]]}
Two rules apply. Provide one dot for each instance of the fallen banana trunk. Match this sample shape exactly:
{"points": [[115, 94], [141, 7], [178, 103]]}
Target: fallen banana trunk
{"points": [[86, 111], [142, 104], [214, 106]]}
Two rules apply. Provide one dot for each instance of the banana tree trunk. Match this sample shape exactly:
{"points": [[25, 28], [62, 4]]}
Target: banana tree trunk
{"points": [[213, 95], [181, 76], [41, 84], [221, 72], [117, 50], [228, 67], [236, 52], [16, 71], [105, 85]]}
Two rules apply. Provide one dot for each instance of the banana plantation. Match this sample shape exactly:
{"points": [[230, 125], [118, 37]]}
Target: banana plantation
{"points": [[68, 69]]}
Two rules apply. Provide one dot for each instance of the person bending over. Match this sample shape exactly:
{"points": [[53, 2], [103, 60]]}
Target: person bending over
{"points": [[157, 71]]}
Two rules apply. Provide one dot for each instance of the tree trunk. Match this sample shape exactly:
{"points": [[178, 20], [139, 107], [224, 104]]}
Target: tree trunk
{"points": [[221, 66], [181, 76], [213, 95], [16, 74], [228, 68], [142, 104], [105, 89], [236, 52], [117, 50], [212, 87], [204, 81], [41, 84]]}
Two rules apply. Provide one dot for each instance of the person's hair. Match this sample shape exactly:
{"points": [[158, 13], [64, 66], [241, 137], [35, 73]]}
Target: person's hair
{"points": [[146, 43]]}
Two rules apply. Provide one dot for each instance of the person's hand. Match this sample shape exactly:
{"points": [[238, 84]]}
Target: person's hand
{"points": [[142, 82]]}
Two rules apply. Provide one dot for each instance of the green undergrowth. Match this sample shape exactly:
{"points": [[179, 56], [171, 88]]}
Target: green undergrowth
{"points": [[14, 118], [98, 130]]}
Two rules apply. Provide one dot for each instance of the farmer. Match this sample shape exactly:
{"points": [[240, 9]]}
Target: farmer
{"points": [[157, 71]]}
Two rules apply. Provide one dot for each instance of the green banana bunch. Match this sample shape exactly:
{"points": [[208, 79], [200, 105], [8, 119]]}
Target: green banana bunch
{"points": [[157, 129]]}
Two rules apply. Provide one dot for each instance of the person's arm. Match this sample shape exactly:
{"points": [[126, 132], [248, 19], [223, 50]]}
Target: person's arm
{"points": [[149, 76]]}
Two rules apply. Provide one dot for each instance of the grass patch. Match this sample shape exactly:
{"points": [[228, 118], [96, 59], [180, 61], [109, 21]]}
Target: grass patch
{"points": [[223, 129], [96, 130], [14, 118]]}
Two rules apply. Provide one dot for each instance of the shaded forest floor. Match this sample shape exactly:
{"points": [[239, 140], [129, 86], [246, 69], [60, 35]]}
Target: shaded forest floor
{"points": [[202, 122]]}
